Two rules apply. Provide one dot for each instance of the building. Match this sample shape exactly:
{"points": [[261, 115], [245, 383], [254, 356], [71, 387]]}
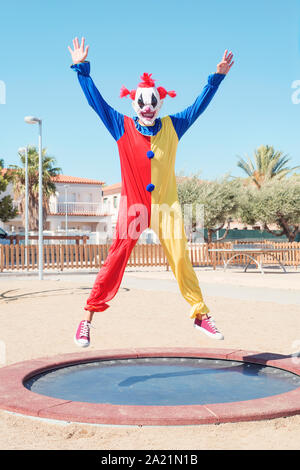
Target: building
{"points": [[111, 201], [76, 207], [81, 200], [80, 206]]}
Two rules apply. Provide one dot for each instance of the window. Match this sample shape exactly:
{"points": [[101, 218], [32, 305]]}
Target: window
{"points": [[115, 202]]}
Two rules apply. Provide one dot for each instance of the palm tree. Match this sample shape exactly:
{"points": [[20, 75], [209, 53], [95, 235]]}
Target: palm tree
{"points": [[49, 171], [268, 164]]}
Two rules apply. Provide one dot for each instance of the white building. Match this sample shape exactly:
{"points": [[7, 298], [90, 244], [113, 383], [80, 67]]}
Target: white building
{"points": [[111, 201], [76, 207], [80, 206], [81, 200]]}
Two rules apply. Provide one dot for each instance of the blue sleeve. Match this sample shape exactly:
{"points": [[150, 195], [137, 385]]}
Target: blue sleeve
{"points": [[112, 120], [183, 120]]}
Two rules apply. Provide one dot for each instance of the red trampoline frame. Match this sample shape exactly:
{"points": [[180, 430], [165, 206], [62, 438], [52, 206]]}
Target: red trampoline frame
{"points": [[14, 397]]}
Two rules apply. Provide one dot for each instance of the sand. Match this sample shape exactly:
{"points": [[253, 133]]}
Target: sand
{"points": [[38, 318]]}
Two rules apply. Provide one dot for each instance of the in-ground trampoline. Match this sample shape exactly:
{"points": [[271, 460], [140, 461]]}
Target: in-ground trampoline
{"points": [[154, 387]]}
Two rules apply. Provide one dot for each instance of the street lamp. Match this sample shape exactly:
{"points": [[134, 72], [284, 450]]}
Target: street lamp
{"points": [[35, 120], [24, 151]]}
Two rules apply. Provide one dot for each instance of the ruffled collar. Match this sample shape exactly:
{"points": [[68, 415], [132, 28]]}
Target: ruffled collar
{"points": [[148, 130]]}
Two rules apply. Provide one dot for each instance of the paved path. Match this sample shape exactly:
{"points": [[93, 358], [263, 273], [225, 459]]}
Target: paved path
{"points": [[212, 289], [262, 294]]}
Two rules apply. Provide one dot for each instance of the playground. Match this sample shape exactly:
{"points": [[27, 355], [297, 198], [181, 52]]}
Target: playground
{"points": [[38, 318]]}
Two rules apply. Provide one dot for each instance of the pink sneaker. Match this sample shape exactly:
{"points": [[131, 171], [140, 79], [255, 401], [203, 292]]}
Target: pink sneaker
{"points": [[82, 337], [207, 325]]}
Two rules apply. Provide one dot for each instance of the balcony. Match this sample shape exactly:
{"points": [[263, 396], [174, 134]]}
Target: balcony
{"points": [[76, 208]]}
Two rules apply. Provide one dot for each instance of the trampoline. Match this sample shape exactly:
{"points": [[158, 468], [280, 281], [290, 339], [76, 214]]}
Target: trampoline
{"points": [[151, 387], [163, 381]]}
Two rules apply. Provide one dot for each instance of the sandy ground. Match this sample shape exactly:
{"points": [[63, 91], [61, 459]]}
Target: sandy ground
{"points": [[38, 318]]}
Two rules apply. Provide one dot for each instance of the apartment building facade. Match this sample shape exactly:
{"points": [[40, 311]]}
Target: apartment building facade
{"points": [[76, 206]]}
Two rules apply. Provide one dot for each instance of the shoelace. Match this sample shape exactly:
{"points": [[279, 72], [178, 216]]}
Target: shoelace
{"points": [[85, 328], [212, 324]]}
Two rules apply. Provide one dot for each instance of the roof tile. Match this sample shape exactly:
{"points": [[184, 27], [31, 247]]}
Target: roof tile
{"points": [[75, 180]]}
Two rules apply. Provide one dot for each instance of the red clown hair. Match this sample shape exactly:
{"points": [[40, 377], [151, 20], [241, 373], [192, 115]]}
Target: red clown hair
{"points": [[163, 93], [147, 82], [125, 92]]}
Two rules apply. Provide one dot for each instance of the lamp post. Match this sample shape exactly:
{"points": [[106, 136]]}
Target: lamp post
{"points": [[35, 120], [24, 151]]}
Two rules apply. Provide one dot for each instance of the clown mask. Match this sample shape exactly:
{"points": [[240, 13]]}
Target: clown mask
{"points": [[147, 104], [147, 99]]}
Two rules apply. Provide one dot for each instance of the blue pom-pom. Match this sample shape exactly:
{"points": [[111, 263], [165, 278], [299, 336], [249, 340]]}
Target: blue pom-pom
{"points": [[150, 187]]}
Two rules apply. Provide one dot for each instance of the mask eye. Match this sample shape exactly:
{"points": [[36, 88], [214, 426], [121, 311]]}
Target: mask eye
{"points": [[141, 102], [153, 100]]}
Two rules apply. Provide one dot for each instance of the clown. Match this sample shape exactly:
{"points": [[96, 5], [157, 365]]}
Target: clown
{"points": [[147, 148], [147, 99]]}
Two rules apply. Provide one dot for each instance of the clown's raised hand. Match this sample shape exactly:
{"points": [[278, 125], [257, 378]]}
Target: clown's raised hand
{"points": [[226, 63], [79, 54]]}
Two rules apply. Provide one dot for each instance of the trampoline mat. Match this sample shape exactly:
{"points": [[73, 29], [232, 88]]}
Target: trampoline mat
{"points": [[163, 381]]}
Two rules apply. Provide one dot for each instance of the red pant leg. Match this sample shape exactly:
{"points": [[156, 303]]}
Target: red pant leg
{"points": [[109, 278]]}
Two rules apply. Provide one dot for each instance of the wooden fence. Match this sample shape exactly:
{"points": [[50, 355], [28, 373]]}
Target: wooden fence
{"points": [[15, 239], [287, 258], [60, 257], [13, 257]]}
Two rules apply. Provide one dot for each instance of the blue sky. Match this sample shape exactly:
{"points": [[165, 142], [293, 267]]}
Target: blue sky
{"points": [[180, 43]]}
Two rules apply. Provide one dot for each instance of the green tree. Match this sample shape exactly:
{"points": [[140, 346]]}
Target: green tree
{"points": [[219, 199], [7, 209], [268, 164], [49, 171], [277, 202], [189, 190]]}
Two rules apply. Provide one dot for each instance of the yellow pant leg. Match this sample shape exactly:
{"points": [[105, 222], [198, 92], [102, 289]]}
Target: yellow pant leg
{"points": [[170, 229]]}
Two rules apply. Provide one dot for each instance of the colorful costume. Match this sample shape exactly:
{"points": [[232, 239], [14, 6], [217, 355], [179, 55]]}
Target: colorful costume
{"points": [[149, 193]]}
